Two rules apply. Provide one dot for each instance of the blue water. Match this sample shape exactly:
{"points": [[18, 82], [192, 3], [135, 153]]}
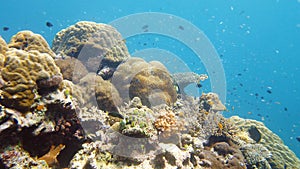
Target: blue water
{"points": [[257, 41]]}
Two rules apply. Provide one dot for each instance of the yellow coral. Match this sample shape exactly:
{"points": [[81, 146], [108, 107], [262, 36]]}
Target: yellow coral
{"points": [[26, 71], [151, 82], [92, 43], [28, 41]]}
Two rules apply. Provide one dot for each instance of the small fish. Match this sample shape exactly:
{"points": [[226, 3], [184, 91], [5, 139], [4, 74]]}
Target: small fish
{"points": [[269, 91], [181, 27], [285, 109], [49, 24], [298, 138], [5, 28], [145, 26]]}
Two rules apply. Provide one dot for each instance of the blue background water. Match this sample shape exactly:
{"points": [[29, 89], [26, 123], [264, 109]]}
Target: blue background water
{"points": [[258, 42]]}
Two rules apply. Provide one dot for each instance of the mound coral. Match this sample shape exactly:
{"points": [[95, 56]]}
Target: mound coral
{"points": [[99, 92], [71, 68], [151, 82], [282, 156], [96, 45], [28, 41], [25, 73]]}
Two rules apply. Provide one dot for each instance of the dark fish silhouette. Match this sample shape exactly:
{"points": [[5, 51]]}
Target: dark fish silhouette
{"points": [[254, 133], [49, 24], [5, 28], [298, 138]]}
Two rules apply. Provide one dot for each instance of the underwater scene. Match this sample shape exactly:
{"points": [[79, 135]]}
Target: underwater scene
{"points": [[172, 84]]}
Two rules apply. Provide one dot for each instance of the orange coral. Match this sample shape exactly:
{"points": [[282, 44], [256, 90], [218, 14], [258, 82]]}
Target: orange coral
{"points": [[51, 156], [166, 122]]}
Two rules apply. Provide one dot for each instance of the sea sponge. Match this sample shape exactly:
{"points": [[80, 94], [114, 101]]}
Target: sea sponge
{"points": [[92, 43], [24, 74], [27, 41], [72, 69], [149, 81], [282, 156], [101, 92]]}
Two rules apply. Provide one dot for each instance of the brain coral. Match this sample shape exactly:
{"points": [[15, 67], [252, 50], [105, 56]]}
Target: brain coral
{"points": [[282, 156], [27, 41], [97, 90], [96, 45], [149, 81], [26, 71]]}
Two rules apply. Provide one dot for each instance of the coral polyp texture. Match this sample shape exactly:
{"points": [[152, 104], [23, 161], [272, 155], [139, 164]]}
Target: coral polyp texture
{"points": [[26, 71], [97, 45], [149, 81], [28, 41]]}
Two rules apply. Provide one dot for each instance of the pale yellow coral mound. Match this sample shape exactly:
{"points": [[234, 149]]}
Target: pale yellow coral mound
{"points": [[149, 81], [92, 43], [282, 156], [27, 41]]}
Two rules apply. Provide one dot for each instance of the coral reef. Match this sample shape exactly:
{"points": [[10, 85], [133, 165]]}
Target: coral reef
{"points": [[282, 156], [121, 115], [149, 81], [98, 46]]}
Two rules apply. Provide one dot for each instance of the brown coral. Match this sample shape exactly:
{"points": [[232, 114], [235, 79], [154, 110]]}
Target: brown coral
{"points": [[23, 74], [149, 81], [28, 41], [92, 43], [71, 68], [98, 90]]}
